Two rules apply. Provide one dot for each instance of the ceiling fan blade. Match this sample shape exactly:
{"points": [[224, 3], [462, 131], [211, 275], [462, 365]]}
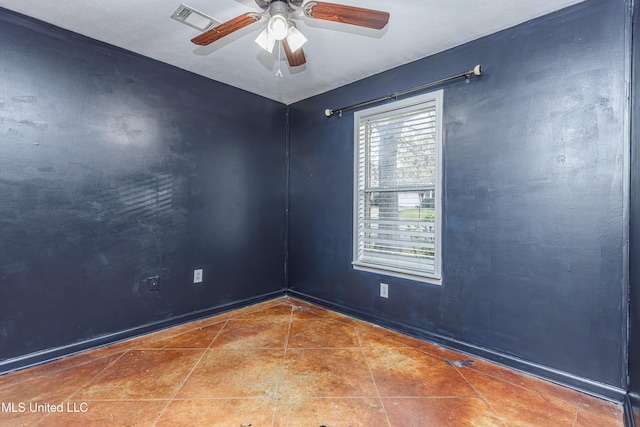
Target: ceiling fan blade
{"points": [[296, 58], [225, 29], [369, 18]]}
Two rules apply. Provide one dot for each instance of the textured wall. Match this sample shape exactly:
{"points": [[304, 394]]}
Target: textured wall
{"points": [[534, 233], [114, 168]]}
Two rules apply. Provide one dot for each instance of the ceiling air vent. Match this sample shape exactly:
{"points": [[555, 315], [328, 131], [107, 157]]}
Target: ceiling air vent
{"points": [[193, 18]]}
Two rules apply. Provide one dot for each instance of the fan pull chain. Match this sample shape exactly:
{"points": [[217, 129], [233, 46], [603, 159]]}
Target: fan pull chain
{"points": [[279, 72]]}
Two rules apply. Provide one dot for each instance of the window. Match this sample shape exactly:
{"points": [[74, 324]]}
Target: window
{"points": [[398, 168]]}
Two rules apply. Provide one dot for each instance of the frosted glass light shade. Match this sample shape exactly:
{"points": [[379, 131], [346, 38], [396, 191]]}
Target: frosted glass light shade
{"points": [[295, 38], [278, 27], [265, 40]]}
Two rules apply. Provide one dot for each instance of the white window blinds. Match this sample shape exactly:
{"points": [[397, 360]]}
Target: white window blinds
{"points": [[397, 224]]}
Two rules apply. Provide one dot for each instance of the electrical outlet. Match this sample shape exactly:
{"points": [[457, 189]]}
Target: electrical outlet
{"points": [[384, 290], [153, 283], [197, 276]]}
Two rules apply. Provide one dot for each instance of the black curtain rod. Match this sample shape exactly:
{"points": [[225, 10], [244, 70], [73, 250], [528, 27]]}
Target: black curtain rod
{"points": [[476, 71]]}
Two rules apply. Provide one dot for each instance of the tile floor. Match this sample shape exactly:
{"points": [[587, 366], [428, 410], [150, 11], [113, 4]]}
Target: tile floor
{"points": [[286, 363]]}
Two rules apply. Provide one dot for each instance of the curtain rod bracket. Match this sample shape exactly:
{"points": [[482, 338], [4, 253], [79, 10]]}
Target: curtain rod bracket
{"points": [[476, 71]]}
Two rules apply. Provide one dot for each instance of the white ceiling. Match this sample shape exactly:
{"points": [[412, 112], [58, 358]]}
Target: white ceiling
{"points": [[337, 54]]}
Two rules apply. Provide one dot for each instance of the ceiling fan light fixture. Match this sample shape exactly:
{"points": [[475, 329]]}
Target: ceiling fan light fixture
{"points": [[295, 38], [265, 40], [278, 26]]}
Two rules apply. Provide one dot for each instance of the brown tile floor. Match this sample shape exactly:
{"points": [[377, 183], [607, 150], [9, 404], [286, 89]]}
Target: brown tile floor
{"points": [[286, 363]]}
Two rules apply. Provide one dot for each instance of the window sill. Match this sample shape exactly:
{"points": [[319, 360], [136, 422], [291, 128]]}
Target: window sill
{"points": [[403, 274]]}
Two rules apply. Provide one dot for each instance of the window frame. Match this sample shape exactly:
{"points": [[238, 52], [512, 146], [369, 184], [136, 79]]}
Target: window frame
{"points": [[427, 100]]}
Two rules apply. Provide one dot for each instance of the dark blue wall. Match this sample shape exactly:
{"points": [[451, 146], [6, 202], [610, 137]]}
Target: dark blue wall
{"points": [[634, 235], [534, 200], [115, 168]]}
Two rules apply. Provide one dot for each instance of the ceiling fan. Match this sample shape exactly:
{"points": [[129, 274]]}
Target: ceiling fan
{"points": [[281, 28]]}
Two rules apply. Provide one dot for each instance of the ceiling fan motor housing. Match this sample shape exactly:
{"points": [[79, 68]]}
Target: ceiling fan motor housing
{"points": [[279, 7], [264, 4]]}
